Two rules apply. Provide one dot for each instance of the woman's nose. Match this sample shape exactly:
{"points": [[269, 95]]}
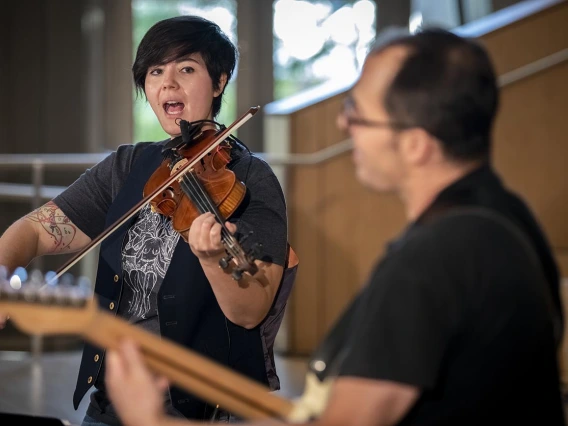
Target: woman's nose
{"points": [[169, 80]]}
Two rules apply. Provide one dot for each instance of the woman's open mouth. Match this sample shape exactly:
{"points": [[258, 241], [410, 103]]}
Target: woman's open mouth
{"points": [[173, 108]]}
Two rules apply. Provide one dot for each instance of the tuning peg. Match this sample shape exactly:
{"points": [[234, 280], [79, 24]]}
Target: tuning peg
{"points": [[6, 290], [3, 273], [237, 274], [66, 280], [84, 282], [80, 292], [51, 278], [224, 261], [36, 277], [21, 273], [15, 282]]}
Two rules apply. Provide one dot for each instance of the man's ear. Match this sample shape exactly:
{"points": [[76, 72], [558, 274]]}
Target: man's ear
{"points": [[221, 86], [418, 146]]}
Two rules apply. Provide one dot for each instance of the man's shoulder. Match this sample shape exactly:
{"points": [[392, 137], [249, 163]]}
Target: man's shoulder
{"points": [[453, 225], [459, 232]]}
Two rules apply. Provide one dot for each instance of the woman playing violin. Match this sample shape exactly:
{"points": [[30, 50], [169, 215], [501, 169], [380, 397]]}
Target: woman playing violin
{"points": [[147, 273]]}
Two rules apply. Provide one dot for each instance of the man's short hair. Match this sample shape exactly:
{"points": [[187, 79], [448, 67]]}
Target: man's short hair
{"points": [[447, 86]]}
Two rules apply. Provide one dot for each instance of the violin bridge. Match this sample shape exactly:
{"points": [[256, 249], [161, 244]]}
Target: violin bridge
{"points": [[179, 165]]}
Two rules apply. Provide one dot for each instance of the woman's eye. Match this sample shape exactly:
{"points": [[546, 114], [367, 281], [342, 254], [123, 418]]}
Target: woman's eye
{"points": [[187, 70], [156, 71]]}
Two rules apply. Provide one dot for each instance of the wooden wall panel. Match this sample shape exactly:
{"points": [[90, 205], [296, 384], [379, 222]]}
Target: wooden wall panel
{"points": [[531, 149], [533, 38], [305, 234], [340, 228]]}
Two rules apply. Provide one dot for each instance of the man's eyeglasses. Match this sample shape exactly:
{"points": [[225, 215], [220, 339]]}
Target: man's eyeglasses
{"points": [[348, 113]]}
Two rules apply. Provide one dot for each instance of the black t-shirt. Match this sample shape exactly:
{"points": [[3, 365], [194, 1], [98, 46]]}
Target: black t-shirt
{"points": [[462, 307]]}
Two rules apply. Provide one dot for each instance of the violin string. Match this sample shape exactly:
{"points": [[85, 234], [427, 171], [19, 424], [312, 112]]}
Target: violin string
{"points": [[204, 202], [199, 196], [190, 189]]}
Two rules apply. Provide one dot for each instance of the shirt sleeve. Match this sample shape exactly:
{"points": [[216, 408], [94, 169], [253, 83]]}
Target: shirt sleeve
{"points": [[86, 201], [407, 319], [265, 212]]}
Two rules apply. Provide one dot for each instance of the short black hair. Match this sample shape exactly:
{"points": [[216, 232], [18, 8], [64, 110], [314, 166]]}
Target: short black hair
{"points": [[447, 86], [176, 37]]}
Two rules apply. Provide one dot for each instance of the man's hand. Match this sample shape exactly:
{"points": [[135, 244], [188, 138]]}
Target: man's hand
{"points": [[135, 393], [3, 319]]}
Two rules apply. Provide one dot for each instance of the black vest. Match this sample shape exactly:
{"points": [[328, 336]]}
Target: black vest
{"points": [[188, 311]]}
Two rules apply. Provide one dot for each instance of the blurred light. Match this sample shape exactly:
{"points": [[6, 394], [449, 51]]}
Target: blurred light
{"points": [[50, 278], [281, 56], [341, 26], [21, 273], [223, 18], [3, 273], [415, 22], [36, 276], [340, 63], [220, 15], [15, 282], [84, 282], [304, 38], [364, 13]]}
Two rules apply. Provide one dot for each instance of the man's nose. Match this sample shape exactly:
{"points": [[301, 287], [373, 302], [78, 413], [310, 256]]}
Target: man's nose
{"points": [[341, 122]]}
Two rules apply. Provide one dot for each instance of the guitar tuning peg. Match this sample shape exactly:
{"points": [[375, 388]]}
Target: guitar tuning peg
{"points": [[6, 290], [3, 273], [66, 280], [51, 278], [21, 273], [15, 282], [80, 292], [36, 277], [84, 283]]}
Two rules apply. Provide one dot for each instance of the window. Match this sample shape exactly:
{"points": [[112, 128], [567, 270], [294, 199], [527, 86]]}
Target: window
{"points": [[319, 41]]}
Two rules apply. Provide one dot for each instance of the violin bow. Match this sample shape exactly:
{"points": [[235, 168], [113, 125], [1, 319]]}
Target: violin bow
{"points": [[136, 208]]}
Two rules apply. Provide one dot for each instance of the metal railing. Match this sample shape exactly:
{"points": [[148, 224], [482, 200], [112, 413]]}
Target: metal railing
{"points": [[39, 163]]}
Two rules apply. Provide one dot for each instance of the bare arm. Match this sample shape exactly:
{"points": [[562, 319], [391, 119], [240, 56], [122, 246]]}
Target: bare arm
{"points": [[368, 402], [246, 302], [45, 230]]}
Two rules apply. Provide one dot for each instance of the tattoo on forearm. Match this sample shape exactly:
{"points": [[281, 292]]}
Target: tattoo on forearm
{"points": [[56, 224]]}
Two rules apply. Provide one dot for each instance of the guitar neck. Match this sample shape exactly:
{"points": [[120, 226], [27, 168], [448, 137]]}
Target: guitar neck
{"points": [[190, 371]]}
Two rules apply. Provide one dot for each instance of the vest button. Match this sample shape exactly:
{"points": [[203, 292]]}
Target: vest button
{"points": [[111, 306], [97, 358], [90, 379], [116, 278]]}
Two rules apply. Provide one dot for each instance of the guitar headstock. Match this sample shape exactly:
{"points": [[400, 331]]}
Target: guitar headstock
{"points": [[39, 304]]}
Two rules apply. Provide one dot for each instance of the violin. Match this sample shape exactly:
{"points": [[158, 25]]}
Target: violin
{"points": [[208, 186], [244, 261]]}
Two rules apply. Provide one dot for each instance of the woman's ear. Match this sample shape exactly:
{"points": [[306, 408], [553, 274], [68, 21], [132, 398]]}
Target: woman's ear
{"points": [[221, 85]]}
